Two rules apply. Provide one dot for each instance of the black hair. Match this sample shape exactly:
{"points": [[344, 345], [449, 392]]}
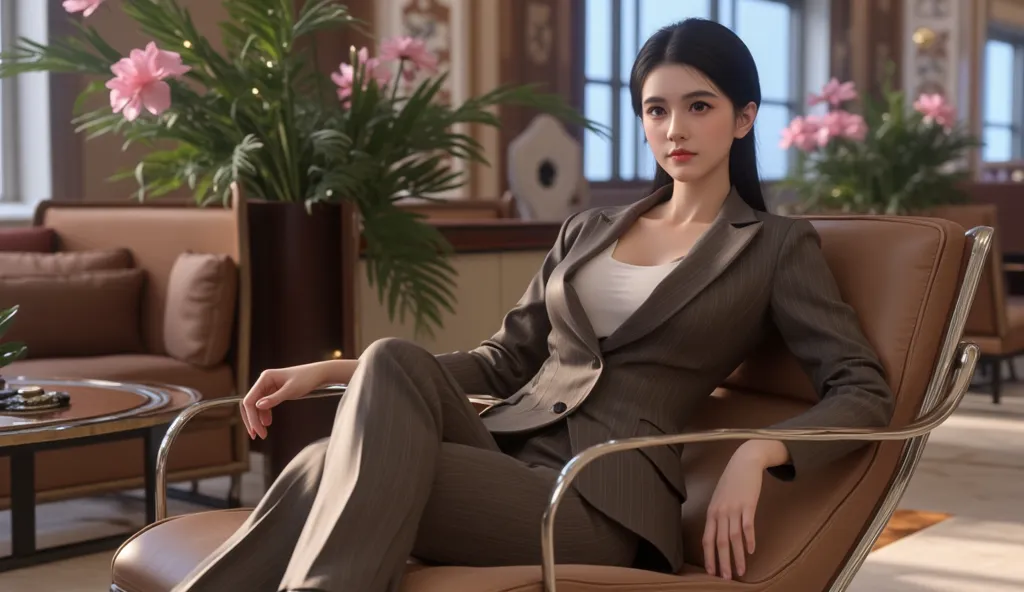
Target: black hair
{"points": [[721, 56]]}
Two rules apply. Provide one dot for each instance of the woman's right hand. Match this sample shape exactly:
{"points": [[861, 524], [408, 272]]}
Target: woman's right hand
{"points": [[275, 386]]}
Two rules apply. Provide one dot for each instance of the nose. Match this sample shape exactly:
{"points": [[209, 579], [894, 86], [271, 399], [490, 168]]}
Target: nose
{"points": [[677, 131]]}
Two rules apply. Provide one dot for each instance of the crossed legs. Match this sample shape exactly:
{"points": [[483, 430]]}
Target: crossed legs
{"points": [[409, 470]]}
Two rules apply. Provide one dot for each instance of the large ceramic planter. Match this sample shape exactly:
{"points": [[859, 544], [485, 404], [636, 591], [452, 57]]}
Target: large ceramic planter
{"points": [[301, 303]]}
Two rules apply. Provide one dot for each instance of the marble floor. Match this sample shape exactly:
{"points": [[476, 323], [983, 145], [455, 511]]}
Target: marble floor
{"points": [[973, 469]]}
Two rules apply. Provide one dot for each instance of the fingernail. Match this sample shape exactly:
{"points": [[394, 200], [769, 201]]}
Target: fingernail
{"points": [[262, 404]]}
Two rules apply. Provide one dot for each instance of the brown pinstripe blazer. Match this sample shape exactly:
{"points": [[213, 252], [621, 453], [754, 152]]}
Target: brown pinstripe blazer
{"points": [[748, 271]]}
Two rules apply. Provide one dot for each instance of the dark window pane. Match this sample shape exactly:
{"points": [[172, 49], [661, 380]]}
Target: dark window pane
{"points": [[599, 22], [597, 151]]}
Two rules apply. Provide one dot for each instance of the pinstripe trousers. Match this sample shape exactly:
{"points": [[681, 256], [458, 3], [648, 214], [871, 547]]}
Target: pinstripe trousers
{"points": [[408, 470]]}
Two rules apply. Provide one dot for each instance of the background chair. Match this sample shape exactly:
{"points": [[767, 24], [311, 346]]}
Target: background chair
{"points": [[996, 322], [911, 281]]}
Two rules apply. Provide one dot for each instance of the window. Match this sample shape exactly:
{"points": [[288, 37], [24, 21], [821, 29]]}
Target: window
{"points": [[25, 152], [1003, 105], [614, 30]]}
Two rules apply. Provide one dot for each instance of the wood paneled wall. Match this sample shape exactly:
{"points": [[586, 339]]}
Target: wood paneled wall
{"points": [[866, 38]]}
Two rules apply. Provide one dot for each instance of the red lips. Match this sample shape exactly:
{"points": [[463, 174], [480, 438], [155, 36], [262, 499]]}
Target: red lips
{"points": [[680, 155]]}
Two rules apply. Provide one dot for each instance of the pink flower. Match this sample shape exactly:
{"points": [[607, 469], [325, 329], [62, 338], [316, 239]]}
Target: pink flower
{"points": [[375, 70], [841, 124], [935, 110], [801, 134], [834, 93], [86, 7], [139, 81], [413, 52]]}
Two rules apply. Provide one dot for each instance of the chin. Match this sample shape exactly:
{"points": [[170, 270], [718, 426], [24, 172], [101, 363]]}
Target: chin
{"points": [[685, 173]]}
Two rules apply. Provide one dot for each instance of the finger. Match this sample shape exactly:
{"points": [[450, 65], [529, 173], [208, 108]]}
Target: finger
{"points": [[736, 538], [245, 418], [748, 529], [722, 542], [265, 417], [709, 545]]}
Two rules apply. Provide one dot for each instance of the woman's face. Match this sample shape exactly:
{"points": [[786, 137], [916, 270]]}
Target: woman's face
{"points": [[689, 123]]}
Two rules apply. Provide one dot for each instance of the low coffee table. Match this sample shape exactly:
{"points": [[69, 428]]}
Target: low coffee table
{"points": [[100, 411]]}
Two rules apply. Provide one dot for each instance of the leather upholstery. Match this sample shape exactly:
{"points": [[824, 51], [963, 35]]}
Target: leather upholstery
{"points": [[901, 275], [150, 238]]}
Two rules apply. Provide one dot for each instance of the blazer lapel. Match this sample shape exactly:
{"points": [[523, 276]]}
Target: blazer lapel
{"points": [[727, 237], [599, 236]]}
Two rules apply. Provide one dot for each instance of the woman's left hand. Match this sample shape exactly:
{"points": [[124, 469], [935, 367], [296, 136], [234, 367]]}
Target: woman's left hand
{"points": [[729, 531]]}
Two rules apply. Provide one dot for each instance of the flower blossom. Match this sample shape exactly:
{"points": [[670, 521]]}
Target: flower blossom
{"points": [[138, 81], [841, 124], [935, 110], [375, 70], [802, 134], [86, 7], [413, 52], [834, 93]]}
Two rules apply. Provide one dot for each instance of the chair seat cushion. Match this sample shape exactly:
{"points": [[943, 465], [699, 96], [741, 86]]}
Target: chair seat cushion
{"points": [[161, 555]]}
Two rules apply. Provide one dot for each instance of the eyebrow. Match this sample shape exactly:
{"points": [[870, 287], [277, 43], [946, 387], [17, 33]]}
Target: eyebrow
{"points": [[697, 94]]}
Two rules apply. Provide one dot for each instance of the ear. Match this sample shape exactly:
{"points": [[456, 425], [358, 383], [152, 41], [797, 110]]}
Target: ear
{"points": [[745, 120]]}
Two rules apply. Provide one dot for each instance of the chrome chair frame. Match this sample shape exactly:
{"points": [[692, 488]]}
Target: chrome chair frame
{"points": [[956, 364]]}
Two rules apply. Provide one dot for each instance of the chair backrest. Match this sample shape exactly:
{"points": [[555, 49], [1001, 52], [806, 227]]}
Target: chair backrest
{"points": [[901, 275], [988, 315], [156, 233]]}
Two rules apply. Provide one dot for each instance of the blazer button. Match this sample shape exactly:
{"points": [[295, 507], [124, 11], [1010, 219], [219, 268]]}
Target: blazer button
{"points": [[559, 407]]}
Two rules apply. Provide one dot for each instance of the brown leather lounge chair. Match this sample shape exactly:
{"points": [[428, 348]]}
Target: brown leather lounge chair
{"points": [[910, 279]]}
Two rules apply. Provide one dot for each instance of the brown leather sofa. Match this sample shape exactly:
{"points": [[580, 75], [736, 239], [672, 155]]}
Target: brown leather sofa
{"points": [[148, 241], [996, 322], [911, 280]]}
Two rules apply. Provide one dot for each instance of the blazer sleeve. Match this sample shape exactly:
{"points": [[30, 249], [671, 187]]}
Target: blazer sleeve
{"points": [[823, 332], [501, 365]]}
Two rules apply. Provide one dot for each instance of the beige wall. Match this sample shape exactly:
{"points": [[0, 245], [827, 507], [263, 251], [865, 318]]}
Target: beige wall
{"points": [[1009, 13], [488, 286]]}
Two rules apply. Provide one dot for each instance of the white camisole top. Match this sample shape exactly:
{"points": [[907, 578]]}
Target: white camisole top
{"points": [[610, 290]]}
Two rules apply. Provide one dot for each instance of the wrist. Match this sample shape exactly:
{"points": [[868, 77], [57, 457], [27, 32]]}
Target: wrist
{"points": [[764, 453], [336, 371]]}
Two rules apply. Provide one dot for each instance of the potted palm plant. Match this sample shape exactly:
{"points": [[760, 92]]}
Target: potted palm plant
{"points": [[10, 351], [299, 143]]}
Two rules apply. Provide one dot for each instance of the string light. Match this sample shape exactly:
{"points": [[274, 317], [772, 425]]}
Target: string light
{"points": [[255, 91], [187, 44]]}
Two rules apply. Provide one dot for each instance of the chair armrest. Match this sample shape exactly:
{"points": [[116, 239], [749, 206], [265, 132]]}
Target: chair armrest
{"points": [[969, 353], [332, 390]]}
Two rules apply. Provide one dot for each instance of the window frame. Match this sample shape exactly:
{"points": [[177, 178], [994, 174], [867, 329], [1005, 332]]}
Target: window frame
{"points": [[1014, 38], [8, 112], [615, 185]]}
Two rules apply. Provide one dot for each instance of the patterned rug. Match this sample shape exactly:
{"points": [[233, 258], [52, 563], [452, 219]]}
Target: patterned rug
{"points": [[905, 523]]}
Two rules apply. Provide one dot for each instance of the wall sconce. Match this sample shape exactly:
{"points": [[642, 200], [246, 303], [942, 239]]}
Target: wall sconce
{"points": [[923, 37], [335, 355]]}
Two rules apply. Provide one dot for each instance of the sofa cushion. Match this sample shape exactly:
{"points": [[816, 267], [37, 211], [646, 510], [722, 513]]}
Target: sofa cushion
{"points": [[23, 264], [200, 311], [81, 314], [210, 382], [36, 239]]}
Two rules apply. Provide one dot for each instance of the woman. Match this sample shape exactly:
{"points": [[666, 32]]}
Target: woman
{"points": [[636, 315]]}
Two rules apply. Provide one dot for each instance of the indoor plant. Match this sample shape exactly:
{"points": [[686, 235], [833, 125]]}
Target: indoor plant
{"points": [[371, 133], [11, 351], [888, 159]]}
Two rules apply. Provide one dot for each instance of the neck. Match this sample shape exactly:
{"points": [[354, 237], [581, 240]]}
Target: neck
{"points": [[699, 200]]}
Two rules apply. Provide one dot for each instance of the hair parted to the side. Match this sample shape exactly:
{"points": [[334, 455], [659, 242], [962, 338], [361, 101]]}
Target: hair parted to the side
{"points": [[725, 60]]}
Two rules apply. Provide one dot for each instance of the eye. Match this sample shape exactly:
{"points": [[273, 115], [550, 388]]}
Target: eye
{"points": [[655, 111], [700, 106]]}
